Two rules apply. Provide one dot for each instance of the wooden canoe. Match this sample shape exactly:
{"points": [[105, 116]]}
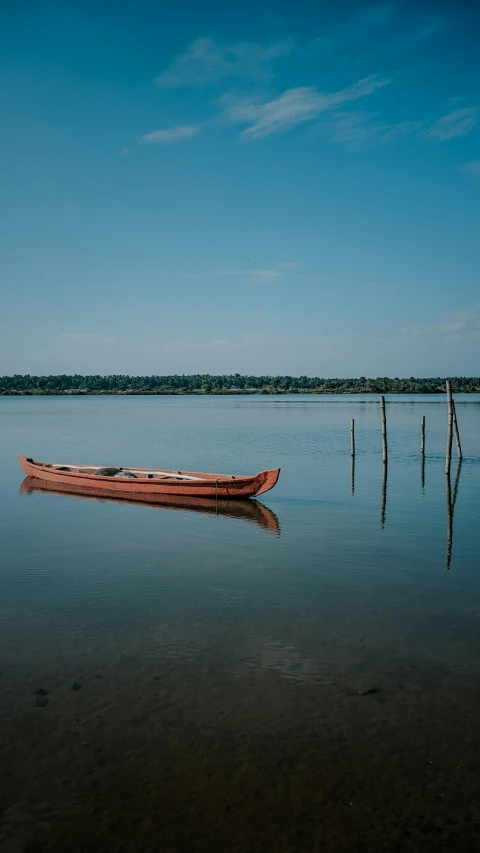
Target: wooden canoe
{"points": [[251, 510], [152, 481]]}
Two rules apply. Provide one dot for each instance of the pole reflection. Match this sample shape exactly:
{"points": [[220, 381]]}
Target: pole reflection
{"points": [[451, 500], [384, 494]]}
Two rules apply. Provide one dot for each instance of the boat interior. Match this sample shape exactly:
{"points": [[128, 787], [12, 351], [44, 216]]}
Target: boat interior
{"points": [[130, 473]]}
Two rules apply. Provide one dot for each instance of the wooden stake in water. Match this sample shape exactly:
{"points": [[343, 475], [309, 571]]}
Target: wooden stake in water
{"points": [[352, 476], [352, 437], [457, 434], [448, 456], [384, 430], [422, 436]]}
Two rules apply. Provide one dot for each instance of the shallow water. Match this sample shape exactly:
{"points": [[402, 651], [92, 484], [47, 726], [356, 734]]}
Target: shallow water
{"points": [[298, 676]]}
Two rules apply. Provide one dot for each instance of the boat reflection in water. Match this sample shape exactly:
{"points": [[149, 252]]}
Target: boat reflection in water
{"points": [[248, 510]]}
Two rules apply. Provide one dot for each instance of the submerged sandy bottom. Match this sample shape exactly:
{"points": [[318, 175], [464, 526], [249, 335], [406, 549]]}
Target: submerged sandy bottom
{"points": [[243, 746]]}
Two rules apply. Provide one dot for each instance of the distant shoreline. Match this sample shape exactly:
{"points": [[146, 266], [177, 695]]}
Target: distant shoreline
{"points": [[225, 385], [243, 393], [221, 393]]}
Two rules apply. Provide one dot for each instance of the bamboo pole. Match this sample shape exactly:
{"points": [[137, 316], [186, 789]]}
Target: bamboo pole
{"points": [[422, 471], [448, 456], [352, 437], [457, 434], [352, 476], [384, 430], [422, 436]]}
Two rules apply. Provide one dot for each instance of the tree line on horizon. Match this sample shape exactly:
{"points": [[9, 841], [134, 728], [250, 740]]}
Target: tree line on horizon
{"points": [[227, 384]]}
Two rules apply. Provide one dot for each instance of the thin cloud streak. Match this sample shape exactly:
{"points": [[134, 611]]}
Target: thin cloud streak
{"points": [[462, 323], [270, 274], [171, 134], [357, 129], [260, 275], [294, 107], [207, 62], [457, 123]]}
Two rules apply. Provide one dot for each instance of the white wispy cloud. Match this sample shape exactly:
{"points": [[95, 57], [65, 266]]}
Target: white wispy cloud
{"points": [[263, 274], [464, 322], [206, 61], [472, 168], [294, 106], [88, 338], [209, 61], [271, 274], [457, 123], [358, 129], [171, 134]]}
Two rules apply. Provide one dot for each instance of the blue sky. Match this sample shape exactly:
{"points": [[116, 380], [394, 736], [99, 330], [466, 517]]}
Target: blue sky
{"points": [[283, 188]]}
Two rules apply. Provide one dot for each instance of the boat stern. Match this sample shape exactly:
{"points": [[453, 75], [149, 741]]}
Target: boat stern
{"points": [[24, 465], [266, 481]]}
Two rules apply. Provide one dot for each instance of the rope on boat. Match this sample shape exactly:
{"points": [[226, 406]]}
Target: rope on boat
{"points": [[41, 469]]}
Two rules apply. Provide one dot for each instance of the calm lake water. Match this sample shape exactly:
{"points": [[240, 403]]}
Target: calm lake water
{"points": [[303, 675]]}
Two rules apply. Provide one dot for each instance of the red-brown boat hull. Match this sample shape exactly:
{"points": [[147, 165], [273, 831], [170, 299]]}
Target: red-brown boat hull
{"points": [[220, 486]]}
